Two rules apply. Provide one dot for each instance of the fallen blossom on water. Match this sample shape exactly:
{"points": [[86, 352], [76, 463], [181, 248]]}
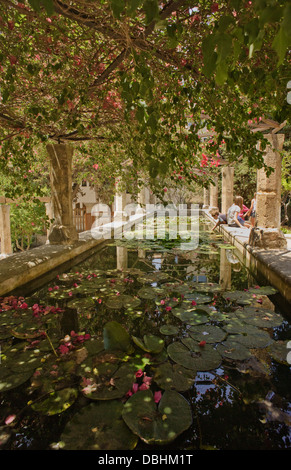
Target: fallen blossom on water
{"points": [[139, 373], [157, 396], [10, 419]]}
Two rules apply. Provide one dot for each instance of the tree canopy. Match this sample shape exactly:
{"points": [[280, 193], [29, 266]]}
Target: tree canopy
{"points": [[141, 82]]}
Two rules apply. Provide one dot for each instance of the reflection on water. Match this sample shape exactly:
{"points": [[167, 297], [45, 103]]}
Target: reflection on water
{"points": [[193, 297]]}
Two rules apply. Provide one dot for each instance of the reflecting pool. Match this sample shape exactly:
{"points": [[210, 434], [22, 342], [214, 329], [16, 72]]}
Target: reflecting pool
{"points": [[148, 344]]}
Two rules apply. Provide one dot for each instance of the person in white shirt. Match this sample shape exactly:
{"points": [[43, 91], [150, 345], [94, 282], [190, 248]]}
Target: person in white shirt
{"points": [[233, 218]]}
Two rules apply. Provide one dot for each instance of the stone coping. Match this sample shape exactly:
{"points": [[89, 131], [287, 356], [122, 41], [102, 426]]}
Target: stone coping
{"points": [[273, 264], [31, 269]]}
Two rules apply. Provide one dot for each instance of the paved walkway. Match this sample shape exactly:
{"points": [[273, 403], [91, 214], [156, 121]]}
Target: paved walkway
{"points": [[273, 264]]}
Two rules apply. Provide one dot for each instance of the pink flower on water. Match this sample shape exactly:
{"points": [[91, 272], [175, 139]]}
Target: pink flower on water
{"points": [[139, 373], [144, 386], [9, 419], [134, 387], [157, 396], [162, 302]]}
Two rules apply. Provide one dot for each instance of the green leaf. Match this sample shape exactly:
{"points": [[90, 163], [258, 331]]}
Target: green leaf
{"points": [[280, 44], [221, 73], [115, 336]]}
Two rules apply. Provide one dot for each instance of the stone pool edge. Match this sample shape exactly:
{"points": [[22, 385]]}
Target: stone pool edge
{"points": [[274, 265], [28, 269]]}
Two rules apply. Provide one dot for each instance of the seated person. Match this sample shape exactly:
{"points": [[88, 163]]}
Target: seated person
{"points": [[244, 212], [221, 218], [233, 217]]}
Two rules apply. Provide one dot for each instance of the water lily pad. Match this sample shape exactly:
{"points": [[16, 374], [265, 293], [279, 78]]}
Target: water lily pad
{"points": [[239, 297], [115, 336], [198, 298], [10, 379], [81, 303], [169, 330], [157, 424], [150, 343], [110, 387], [114, 302], [189, 354], [208, 333], [191, 317], [264, 290], [98, 426], [279, 350], [56, 402], [232, 349], [147, 293], [260, 317], [174, 377]]}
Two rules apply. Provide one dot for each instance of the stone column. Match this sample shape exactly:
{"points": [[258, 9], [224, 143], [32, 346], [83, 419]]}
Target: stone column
{"points": [[227, 174], [213, 196], [206, 198], [120, 203], [267, 233], [144, 197], [5, 233], [62, 231]]}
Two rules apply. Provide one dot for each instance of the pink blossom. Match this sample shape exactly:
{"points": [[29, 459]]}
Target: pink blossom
{"points": [[193, 302], [144, 386], [139, 373], [157, 396], [168, 309], [134, 387], [162, 302], [9, 419], [24, 305]]}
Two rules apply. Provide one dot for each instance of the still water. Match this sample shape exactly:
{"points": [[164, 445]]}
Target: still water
{"points": [[148, 344]]}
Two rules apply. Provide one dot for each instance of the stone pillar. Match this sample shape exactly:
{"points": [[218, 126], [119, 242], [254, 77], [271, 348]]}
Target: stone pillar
{"points": [[5, 233], [225, 271], [267, 233], [213, 196], [120, 203], [62, 231], [227, 174], [121, 257], [206, 198], [144, 197]]}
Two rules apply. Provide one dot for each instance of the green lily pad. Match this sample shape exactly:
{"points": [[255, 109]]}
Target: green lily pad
{"points": [[239, 297], [169, 330], [190, 355], [10, 379], [264, 290], [279, 350], [147, 293], [115, 336], [174, 377], [150, 343], [232, 349], [56, 402], [98, 426], [208, 333], [198, 298], [81, 303], [260, 317], [107, 387], [191, 317], [114, 302], [157, 424]]}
